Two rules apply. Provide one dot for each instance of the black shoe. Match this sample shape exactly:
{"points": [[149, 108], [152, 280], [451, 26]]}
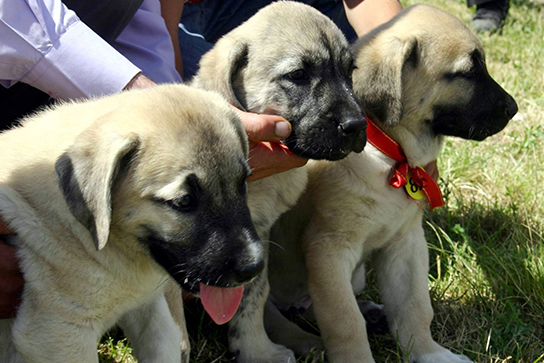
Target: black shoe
{"points": [[489, 16]]}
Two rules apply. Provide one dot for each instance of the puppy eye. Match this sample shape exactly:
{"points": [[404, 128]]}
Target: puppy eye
{"points": [[186, 203], [298, 75], [243, 187], [352, 67], [463, 75]]}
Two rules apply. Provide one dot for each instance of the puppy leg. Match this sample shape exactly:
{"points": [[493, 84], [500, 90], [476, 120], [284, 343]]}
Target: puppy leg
{"points": [[376, 322], [287, 333], [402, 270], [152, 332], [247, 337], [8, 354], [41, 339], [175, 304], [342, 325]]}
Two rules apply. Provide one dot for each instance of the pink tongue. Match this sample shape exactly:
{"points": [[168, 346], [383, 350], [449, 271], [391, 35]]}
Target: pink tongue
{"points": [[220, 303]]}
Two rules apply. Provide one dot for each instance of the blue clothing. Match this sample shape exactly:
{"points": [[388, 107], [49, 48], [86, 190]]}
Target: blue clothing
{"points": [[203, 23]]}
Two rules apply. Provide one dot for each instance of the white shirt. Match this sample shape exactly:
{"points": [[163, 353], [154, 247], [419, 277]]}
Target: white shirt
{"points": [[44, 44]]}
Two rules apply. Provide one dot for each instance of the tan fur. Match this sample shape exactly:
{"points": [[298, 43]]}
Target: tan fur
{"points": [[79, 281], [250, 66], [348, 212]]}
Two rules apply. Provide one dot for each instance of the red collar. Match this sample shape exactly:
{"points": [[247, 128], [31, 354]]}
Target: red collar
{"points": [[404, 174]]}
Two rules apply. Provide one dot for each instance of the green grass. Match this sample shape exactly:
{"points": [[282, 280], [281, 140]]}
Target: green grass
{"points": [[486, 245], [114, 348]]}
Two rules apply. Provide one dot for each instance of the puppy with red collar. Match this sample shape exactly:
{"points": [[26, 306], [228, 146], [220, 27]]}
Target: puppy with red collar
{"points": [[421, 77]]}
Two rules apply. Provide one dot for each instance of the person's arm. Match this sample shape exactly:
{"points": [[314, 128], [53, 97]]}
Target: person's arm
{"points": [[365, 15], [171, 12], [45, 45], [147, 43]]}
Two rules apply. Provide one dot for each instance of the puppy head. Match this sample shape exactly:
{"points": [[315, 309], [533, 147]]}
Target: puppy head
{"points": [[427, 69], [167, 172], [292, 61]]}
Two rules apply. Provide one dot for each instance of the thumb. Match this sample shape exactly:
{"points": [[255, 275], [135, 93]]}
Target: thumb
{"points": [[260, 128]]}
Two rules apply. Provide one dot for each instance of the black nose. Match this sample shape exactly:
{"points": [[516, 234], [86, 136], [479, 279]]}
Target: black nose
{"points": [[248, 270], [511, 107], [353, 126]]}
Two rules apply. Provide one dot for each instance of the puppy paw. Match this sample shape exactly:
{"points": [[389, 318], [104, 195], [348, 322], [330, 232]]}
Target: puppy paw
{"points": [[185, 356], [274, 354], [443, 357], [303, 347], [376, 321]]}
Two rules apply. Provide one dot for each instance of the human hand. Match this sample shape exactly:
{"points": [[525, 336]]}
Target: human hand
{"points": [[267, 156], [432, 170], [11, 279]]}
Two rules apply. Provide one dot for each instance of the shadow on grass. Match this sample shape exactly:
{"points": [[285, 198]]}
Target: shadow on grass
{"points": [[209, 342], [487, 284], [486, 262]]}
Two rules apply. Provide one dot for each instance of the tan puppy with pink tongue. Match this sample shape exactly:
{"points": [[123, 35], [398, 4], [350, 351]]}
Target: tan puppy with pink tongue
{"points": [[110, 199], [290, 60]]}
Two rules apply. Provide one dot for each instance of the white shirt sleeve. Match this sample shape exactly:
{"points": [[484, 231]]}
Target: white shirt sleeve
{"points": [[44, 44]]}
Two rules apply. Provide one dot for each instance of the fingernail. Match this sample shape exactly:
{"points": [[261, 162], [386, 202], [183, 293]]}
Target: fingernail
{"points": [[282, 129]]}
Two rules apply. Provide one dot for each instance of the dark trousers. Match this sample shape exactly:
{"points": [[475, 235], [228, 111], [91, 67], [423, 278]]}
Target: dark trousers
{"points": [[20, 100], [500, 3]]}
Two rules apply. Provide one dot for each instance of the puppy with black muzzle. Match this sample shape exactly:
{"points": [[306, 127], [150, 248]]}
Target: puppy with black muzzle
{"points": [[289, 60], [422, 76], [109, 198]]}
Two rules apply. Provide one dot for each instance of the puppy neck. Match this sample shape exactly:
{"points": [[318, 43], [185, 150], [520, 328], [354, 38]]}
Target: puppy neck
{"points": [[415, 138]]}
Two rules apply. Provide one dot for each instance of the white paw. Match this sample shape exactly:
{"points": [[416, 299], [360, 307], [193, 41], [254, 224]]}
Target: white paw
{"points": [[444, 356], [185, 355], [275, 354]]}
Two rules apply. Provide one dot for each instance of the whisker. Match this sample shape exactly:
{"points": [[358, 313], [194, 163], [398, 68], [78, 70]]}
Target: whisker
{"points": [[270, 242], [161, 283]]}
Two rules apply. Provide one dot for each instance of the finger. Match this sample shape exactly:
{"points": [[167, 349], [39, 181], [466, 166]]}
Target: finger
{"points": [[4, 229], [261, 128], [432, 170], [11, 281], [11, 289], [11, 285], [8, 306], [266, 159], [9, 264]]}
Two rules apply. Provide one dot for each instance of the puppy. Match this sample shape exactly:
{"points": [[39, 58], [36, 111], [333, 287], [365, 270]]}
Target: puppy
{"points": [[289, 60], [422, 76], [110, 197]]}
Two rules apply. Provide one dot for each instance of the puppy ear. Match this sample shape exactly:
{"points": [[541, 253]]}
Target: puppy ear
{"points": [[86, 174], [378, 79], [220, 67]]}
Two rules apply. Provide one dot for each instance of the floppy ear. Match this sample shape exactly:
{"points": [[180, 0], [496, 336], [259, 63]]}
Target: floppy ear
{"points": [[378, 79], [220, 67], [86, 174]]}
